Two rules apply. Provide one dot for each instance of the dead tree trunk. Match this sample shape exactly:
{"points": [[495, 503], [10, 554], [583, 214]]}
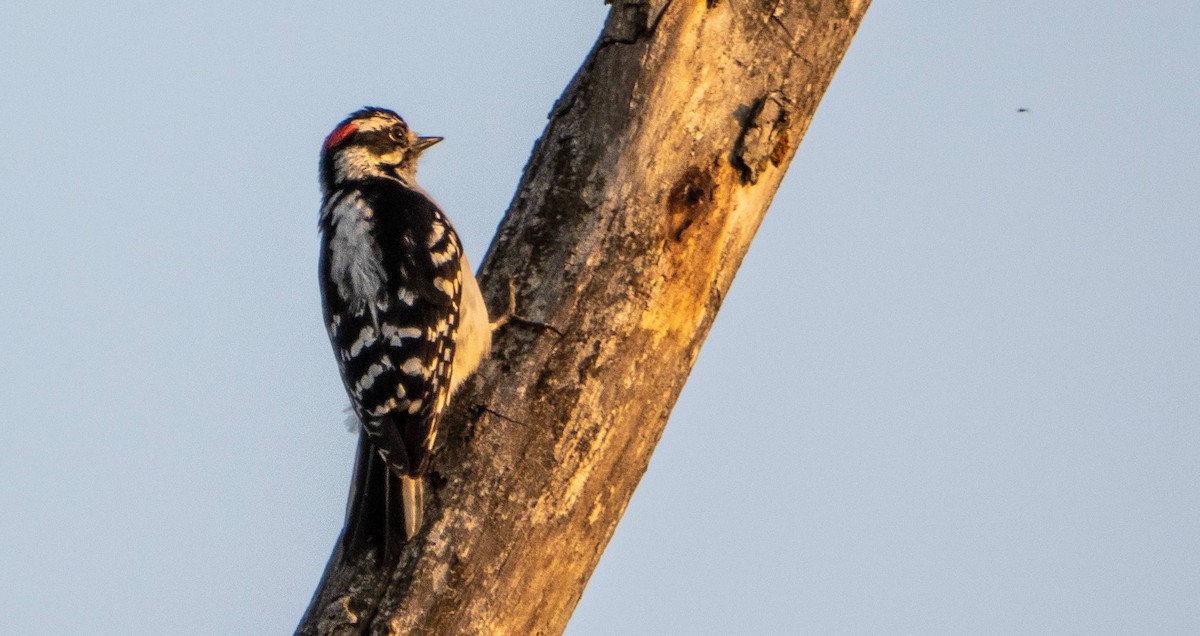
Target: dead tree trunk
{"points": [[632, 217]]}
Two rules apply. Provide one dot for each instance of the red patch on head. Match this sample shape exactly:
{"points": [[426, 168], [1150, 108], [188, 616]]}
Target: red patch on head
{"points": [[339, 134]]}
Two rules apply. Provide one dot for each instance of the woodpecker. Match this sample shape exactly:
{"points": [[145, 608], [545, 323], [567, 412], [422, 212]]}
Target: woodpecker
{"points": [[404, 313]]}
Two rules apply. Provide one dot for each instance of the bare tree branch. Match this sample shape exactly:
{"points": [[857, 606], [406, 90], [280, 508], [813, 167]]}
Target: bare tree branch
{"points": [[630, 221]]}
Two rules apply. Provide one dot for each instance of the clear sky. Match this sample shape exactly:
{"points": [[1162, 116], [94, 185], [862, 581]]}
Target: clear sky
{"points": [[955, 388]]}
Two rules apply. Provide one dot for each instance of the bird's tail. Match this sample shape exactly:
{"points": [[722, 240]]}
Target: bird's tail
{"points": [[412, 497], [384, 509]]}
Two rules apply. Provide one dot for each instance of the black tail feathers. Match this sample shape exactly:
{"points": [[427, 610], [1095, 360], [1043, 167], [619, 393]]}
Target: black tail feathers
{"points": [[384, 509]]}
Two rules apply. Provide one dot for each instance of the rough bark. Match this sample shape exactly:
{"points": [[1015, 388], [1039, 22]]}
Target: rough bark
{"points": [[633, 214]]}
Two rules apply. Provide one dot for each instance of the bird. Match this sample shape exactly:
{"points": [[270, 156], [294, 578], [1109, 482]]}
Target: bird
{"points": [[404, 313]]}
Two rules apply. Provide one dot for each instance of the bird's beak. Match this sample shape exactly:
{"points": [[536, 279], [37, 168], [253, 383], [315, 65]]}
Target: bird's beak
{"points": [[424, 143]]}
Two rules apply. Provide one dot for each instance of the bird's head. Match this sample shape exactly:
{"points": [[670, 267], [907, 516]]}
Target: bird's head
{"points": [[372, 142]]}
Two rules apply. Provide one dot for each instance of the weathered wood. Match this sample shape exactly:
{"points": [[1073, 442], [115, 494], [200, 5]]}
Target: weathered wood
{"points": [[630, 221]]}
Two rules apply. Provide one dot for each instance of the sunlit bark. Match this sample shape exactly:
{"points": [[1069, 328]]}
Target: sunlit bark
{"points": [[634, 212]]}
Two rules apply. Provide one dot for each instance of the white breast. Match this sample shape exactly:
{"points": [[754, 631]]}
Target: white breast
{"points": [[474, 339]]}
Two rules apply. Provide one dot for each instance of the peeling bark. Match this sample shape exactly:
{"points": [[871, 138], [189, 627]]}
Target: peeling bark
{"points": [[632, 216]]}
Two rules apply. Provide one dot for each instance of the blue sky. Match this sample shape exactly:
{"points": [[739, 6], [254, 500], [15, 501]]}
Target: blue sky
{"points": [[953, 389]]}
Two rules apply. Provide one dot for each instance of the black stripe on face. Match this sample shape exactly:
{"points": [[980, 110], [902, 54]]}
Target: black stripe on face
{"points": [[380, 142]]}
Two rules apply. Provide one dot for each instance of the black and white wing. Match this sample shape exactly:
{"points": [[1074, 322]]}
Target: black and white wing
{"points": [[391, 286]]}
